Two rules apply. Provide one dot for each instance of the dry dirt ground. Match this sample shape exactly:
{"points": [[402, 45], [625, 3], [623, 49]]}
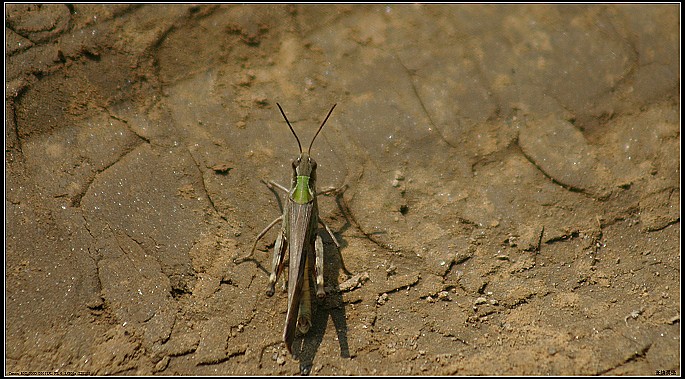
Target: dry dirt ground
{"points": [[511, 173]]}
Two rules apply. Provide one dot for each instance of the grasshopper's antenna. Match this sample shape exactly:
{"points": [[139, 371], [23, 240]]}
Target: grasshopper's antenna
{"points": [[320, 127], [291, 128]]}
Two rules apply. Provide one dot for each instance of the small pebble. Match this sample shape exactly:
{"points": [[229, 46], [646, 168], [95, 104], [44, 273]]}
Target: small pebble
{"points": [[382, 299]]}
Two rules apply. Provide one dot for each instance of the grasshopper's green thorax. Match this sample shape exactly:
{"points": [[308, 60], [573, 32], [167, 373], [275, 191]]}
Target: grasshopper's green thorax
{"points": [[304, 179], [302, 193]]}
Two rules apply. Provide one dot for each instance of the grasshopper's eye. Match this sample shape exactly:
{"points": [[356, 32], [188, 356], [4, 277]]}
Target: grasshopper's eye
{"points": [[296, 163]]}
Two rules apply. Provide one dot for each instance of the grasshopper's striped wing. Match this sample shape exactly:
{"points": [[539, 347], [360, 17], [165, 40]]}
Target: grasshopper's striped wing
{"points": [[302, 229]]}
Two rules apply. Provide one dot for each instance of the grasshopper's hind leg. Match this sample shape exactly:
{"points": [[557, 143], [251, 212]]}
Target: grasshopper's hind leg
{"points": [[277, 262], [318, 267]]}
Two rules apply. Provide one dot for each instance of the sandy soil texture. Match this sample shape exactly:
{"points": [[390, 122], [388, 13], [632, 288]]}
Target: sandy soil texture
{"points": [[511, 198]]}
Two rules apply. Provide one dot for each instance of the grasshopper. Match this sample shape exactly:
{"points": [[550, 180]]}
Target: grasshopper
{"points": [[299, 234]]}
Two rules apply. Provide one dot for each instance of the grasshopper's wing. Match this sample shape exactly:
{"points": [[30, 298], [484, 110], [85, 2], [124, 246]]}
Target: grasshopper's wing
{"points": [[300, 242]]}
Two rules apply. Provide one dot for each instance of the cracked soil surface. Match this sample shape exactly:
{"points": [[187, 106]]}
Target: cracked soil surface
{"points": [[511, 198]]}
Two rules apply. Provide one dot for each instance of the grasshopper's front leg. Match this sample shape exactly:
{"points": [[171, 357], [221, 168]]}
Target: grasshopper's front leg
{"points": [[277, 262], [271, 184]]}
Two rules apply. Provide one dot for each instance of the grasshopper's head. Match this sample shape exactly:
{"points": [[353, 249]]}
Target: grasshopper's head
{"points": [[304, 167]]}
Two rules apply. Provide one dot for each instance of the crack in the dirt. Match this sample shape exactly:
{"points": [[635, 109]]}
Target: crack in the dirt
{"points": [[153, 48], [26, 37], [93, 255], [410, 76], [567, 187], [413, 280], [237, 352], [11, 28], [76, 199], [564, 237], [139, 243], [641, 353], [480, 162], [125, 251], [671, 190], [12, 101], [125, 122], [204, 187], [226, 354], [632, 211], [520, 301], [15, 129], [85, 225]]}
